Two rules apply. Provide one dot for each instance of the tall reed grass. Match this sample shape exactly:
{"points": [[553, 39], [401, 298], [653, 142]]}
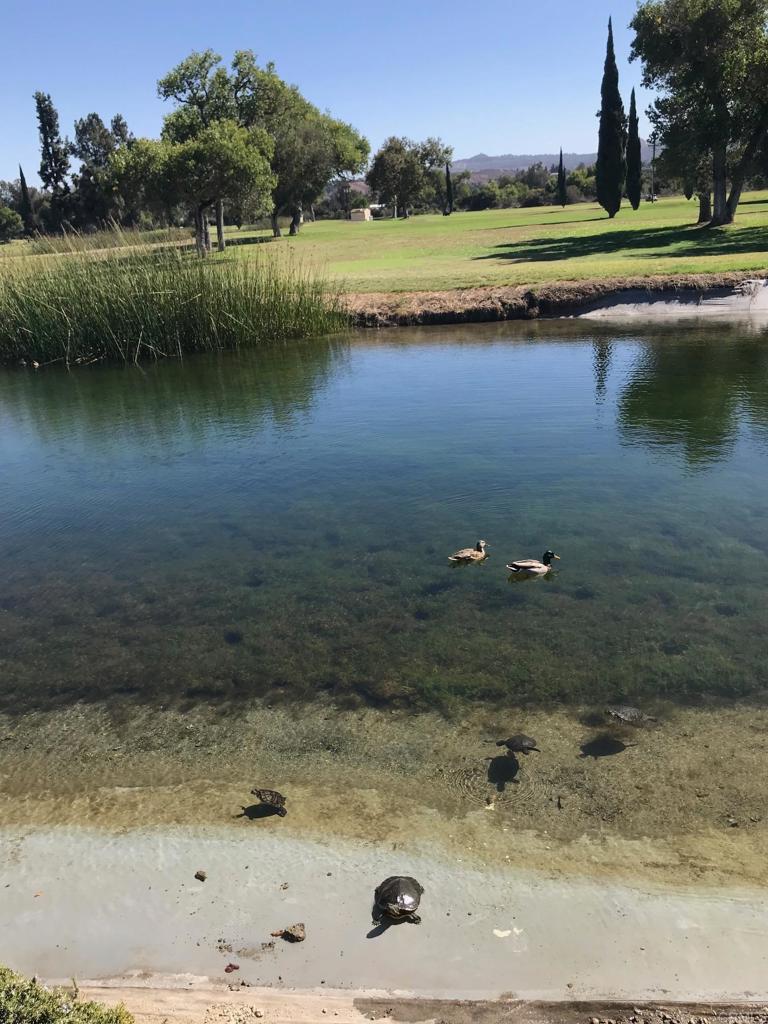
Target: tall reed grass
{"points": [[151, 302], [112, 236]]}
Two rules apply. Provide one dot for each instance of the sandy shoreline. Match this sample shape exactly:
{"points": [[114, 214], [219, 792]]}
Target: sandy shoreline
{"points": [[486, 934], [736, 294], [201, 1004]]}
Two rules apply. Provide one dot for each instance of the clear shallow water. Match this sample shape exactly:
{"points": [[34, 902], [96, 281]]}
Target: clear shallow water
{"points": [[277, 526]]}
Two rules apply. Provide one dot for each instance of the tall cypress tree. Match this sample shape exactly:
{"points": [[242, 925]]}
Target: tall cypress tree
{"points": [[634, 161], [562, 191], [448, 191], [611, 149], [54, 163], [25, 206]]}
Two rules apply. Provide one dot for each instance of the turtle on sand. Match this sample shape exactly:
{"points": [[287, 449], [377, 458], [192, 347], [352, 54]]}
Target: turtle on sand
{"points": [[271, 798], [397, 898], [519, 744], [629, 715]]}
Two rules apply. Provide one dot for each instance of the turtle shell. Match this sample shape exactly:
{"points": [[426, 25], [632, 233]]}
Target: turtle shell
{"points": [[519, 743], [399, 895], [270, 797], [626, 713]]}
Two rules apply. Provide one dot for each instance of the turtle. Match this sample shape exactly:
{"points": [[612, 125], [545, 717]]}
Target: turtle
{"points": [[397, 898], [271, 798], [519, 744], [629, 715]]}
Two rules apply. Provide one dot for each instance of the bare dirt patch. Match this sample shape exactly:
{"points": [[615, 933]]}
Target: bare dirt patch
{"points": [[565, 298]]}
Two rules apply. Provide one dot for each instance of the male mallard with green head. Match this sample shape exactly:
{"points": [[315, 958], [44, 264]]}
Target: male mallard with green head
{"points": [[532, 567]]}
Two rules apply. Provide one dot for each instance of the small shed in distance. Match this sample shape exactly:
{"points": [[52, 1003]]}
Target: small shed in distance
{"points": [[364, 214]]}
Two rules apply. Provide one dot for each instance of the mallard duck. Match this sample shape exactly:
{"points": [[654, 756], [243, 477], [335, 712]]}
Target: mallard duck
{"points": [[475, 554], [532, 567]]}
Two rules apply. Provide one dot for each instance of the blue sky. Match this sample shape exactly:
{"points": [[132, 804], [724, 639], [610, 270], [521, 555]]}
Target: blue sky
{"points": [[494, 76]]}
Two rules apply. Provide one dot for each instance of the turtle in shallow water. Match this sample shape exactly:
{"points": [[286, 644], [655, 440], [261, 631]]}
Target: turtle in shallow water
{"points": [[629, 715], [519, 744], [271, 798], [397, 898]]}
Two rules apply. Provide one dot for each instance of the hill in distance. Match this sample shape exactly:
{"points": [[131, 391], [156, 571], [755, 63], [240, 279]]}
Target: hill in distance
{"points": [[485, 167]]}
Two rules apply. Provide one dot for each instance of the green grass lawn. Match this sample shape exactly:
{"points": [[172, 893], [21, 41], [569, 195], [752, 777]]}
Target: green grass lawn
{"points": [[530, 246]]}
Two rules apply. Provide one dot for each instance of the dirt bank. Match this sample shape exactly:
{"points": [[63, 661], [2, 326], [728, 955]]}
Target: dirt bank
{"points": [[218, 1005], [567, 298]]}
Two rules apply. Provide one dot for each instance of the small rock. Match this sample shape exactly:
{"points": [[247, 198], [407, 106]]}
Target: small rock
{"points": [[284, 885], [231, 967], [293, 933], [258, 1013], [200, 876], [732, 823], [594, 1020]]}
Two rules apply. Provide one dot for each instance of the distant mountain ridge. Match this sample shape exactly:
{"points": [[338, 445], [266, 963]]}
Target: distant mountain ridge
{"points": [[482, 163]]}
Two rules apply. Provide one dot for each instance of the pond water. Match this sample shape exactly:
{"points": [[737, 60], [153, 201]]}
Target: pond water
{"points": [[252, 549]]}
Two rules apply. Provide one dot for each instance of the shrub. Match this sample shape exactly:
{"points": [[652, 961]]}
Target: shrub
{"points": [[536, 197], [11, 224], [29, 1002]]}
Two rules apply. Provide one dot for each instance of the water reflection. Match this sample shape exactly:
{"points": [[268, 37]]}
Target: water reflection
{"points": [[275, 526], [602, 350], [694, 394], [193, 399]]}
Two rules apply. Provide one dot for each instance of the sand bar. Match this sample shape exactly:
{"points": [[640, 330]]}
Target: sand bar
{"points": [[90, 904]]}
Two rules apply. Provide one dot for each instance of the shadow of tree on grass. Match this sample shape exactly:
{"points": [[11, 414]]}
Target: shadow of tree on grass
{"points": [[687, 241]]}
